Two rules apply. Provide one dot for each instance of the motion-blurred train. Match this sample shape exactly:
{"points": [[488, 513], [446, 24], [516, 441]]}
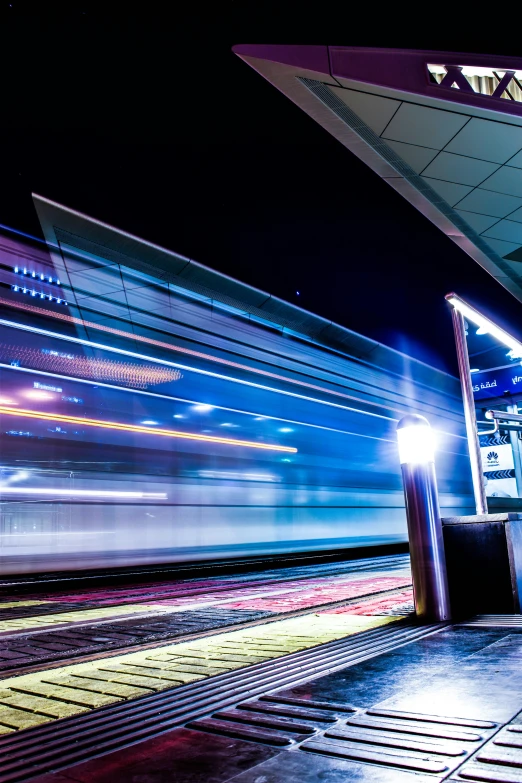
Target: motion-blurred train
{"points": [[145, 422]]}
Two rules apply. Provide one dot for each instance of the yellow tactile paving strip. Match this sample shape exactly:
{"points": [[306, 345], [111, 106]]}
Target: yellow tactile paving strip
{"points": [[25, 623], [16, 604], [33, 699]]}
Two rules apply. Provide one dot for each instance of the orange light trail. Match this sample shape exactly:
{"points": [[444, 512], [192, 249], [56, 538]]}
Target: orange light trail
{"points": [[114, 425]]}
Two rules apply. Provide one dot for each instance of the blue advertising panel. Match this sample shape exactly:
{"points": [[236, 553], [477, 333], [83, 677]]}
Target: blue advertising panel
{"points": [[496, 383]]}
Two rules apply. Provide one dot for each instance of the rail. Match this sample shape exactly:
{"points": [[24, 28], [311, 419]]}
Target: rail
{"points": [[499, 418]]}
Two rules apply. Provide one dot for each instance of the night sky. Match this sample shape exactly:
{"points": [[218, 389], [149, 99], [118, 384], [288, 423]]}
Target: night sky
{"points": [[143, 118]]}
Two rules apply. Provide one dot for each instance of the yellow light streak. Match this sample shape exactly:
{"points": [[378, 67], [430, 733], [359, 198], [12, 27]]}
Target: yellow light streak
{"points": [[114, 425]]}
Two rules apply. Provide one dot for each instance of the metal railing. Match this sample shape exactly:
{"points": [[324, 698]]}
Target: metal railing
{"points": [[499, 418]]}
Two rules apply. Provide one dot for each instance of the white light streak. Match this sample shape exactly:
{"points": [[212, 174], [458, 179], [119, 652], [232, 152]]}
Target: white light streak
{"points": [[83, 493], [187, 368]]}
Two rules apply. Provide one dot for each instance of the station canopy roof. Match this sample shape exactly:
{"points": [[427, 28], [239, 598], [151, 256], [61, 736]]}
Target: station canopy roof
{"points": [[444, 130]]}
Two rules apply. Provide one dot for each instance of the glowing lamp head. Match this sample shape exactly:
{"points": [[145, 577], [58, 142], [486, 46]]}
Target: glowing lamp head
{"points": [[416, 442]]}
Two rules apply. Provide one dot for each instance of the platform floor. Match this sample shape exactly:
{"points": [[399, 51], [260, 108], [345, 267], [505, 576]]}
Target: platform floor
{"points": [[295, 675], [316, 675], [446, 706]]}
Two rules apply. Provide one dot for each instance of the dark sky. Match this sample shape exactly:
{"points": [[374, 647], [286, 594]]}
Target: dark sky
{"points": [[142, 117]]}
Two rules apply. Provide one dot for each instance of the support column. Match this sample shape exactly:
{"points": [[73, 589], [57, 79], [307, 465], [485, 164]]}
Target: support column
{"points": [[468, 400]]}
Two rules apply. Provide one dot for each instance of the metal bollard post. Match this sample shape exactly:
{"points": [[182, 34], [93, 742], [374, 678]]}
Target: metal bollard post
{"points": [[428, 562]]}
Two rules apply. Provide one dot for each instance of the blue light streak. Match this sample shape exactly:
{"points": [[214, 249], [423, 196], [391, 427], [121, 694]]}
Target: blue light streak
{"points": [[191, 402], [187, 368]]}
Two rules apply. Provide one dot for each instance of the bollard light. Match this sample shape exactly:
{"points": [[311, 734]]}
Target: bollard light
{"points": [[428, 562], [416, 442]]}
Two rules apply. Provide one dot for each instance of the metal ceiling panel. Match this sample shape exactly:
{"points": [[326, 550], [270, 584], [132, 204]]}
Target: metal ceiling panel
{"points": [[505, 180], [457, 168], [416, 157], [478, 223], [486, 202], [449, 191], [506, 230], [502, 247], [516, 215], [516, 160], [488, 140], [426, 127], [373, 109]]}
